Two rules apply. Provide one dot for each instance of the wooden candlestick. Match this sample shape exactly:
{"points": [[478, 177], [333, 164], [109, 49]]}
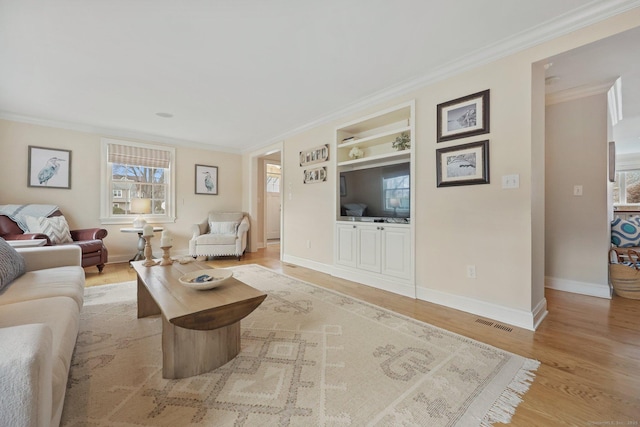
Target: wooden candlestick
{"points": [[148, 260], [166, 259]]}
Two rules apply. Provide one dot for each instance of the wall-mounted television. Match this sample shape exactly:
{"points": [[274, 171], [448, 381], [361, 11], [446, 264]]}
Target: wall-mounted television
{"points": [[377, 192]]}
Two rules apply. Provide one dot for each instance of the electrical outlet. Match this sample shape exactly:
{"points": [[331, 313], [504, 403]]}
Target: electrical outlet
{"points": [[577, 190], [308, 244], [471, 271]]}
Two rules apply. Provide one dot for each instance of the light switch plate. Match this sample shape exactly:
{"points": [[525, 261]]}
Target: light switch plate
{"points": [[511, 181]]}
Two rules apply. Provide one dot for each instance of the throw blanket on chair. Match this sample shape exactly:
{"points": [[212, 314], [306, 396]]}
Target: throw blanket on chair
{"points": [[18, 213]]}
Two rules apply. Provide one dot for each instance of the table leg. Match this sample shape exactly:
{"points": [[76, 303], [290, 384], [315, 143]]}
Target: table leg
{"points": [[189, 352], [146, 304], [140, 255]]}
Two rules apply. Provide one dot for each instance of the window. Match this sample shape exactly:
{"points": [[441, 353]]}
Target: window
{"points": [[273, 178], [396, 193], [137, 171], [626, 190]]}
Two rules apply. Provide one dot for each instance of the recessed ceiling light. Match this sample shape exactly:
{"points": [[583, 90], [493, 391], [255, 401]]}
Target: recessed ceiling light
{"points": [[165, 115]]}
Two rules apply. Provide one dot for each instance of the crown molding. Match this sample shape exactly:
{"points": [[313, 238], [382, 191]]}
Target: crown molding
{"points": [[115, 133], [592, 12], [589, 14], [578, 93]]}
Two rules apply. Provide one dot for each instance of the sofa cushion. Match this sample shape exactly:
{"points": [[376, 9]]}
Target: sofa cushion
{"points": [[55, 227], [625, 233], [216, 239], [89, 246], [25, 365], [62, 316], [58, 281], [225, 216], [223, 227], [12, 264]]}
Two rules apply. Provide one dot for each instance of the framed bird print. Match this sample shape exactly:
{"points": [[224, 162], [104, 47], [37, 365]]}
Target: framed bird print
{"points": [[49, 168], [206, 179]]}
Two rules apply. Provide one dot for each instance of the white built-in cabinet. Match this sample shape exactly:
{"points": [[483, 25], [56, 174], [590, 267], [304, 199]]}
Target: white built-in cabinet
{"points": [[378, 248], [378, 254]]}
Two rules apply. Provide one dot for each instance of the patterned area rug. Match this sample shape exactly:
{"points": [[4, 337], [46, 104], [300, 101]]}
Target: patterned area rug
{"points": [[310, 357]]}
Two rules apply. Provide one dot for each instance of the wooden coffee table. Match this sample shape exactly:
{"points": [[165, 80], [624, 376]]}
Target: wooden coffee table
{"points": [[200, 329]]}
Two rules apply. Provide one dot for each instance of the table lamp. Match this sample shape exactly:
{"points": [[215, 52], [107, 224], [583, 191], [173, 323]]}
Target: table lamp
{"points": [[395, 204], [140, 206]]}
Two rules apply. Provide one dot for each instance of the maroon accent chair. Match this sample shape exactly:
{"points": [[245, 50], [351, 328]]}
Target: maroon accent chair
{"points": [[94, 252]]}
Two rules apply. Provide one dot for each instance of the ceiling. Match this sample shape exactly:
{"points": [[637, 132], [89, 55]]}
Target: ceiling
{"points": [[236, 75], [597, 66]]}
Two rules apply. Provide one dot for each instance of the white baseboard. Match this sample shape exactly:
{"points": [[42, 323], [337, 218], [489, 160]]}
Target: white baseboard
{"points": [[307, 263], [396, 286], [576, 287], [539, 313], [520, 318]]}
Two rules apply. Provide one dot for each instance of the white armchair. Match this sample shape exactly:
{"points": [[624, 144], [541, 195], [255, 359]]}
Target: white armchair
{"points": [[221, 234]]}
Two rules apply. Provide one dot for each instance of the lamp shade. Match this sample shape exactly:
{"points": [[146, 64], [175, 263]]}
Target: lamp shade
{"points": [[140, 206]]}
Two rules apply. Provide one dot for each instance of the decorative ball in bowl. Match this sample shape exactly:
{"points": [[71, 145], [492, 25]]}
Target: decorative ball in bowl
{"points": [[206, 279]]}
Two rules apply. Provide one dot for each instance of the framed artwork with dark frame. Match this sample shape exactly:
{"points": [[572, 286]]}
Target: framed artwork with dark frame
{"points": [[206, 180], [465, 164], [49, 168], [463, 117]]}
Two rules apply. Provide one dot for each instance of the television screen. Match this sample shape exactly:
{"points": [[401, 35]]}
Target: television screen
{"points": [[379, 192]]}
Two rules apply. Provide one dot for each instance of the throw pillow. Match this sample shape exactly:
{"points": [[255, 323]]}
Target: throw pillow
{"points": [[12, 264], [355, 209], [223, 227], [625, 233], [55, 227]]}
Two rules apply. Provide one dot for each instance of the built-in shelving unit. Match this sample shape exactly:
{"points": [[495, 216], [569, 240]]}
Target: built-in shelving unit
{"points": [[374, 136], [379, 254]]}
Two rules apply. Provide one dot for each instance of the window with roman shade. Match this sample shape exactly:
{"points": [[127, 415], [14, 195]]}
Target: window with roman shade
{"points": [[137, 179]]}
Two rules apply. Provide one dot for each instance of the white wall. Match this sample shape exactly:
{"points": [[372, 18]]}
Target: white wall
{"points": [[496, 230], [81, 204], [577, 227], [499, 231]]}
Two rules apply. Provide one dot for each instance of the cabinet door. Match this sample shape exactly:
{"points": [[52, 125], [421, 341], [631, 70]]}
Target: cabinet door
{"points": [[396, 252], [346, 246], [369, 248]]}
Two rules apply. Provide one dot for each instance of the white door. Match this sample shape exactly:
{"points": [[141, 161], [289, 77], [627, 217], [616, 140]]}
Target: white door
{"points": [[273, 207]]}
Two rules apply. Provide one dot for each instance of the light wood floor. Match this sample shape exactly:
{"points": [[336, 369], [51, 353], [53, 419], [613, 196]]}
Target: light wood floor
{"points": [[589, 348]]}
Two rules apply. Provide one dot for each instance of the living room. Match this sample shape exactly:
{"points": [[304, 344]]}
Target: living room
{"points": [[499, 232]]}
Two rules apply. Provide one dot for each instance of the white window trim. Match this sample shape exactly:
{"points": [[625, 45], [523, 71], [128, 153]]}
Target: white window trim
{"points": [[384, 198], [106, 216]]}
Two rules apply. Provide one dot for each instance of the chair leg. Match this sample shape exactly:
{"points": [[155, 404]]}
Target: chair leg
{"points": [[100, 268]]}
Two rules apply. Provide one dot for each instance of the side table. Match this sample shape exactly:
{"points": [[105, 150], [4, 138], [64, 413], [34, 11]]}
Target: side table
{"points": [[140, 255]]}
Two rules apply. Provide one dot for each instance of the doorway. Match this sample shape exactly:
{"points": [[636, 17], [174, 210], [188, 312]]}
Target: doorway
{"points": [[273, 201]]}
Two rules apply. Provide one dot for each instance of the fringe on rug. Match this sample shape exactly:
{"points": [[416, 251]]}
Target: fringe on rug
{"points": [[505, 406]]}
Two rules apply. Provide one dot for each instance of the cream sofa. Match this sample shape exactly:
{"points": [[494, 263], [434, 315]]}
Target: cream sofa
{"points": [[39, 315], [221, 234]]}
